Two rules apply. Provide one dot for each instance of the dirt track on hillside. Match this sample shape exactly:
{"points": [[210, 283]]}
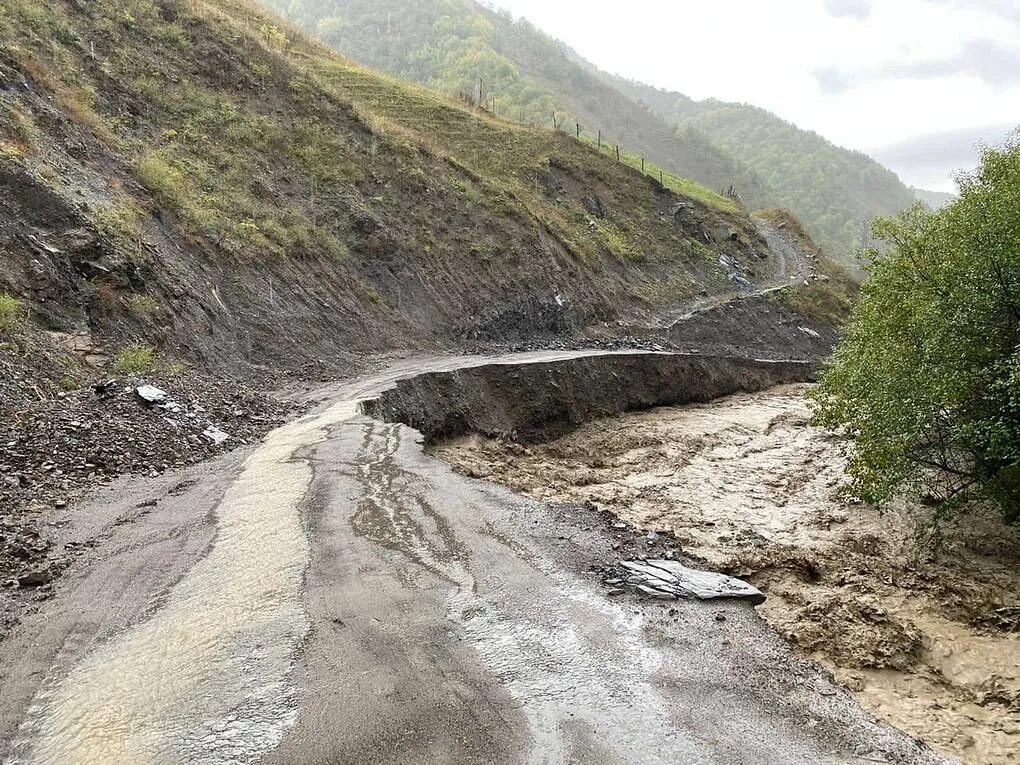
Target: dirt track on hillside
{"points": [[926, 637]]}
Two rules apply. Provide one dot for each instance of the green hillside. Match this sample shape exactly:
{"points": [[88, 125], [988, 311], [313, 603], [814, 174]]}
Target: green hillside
{"points": [[460, 48], [453, 45], [834, 191]]}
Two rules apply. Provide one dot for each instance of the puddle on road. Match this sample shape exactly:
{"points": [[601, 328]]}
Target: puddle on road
{"points": [[926, 638]]}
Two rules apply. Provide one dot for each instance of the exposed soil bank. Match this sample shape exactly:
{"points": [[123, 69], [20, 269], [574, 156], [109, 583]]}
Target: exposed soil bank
{"points": [[925, 637], [530, 402]]}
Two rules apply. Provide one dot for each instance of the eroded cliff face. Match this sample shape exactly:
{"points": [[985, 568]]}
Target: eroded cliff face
{"points": [[531, 402], [174, 174]]}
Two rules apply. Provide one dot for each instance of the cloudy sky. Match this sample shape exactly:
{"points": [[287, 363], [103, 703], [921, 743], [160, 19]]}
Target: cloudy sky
{"points": [[915, 83]]}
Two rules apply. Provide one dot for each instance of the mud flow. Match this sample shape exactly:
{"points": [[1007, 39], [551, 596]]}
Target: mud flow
{"points": [[925, 632]]}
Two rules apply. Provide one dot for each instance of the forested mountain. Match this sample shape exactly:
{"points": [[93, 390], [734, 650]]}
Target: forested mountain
{"points": [[936, 200], [461, 47], [835, 191]]}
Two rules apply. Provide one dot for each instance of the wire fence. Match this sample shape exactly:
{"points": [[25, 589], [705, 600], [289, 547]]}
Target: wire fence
{"points": [[503, 109]]}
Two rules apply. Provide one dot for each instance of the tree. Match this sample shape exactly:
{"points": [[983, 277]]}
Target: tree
{"points": [[927, 379]]}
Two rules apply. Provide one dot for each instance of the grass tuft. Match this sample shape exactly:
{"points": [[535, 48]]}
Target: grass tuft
{"points": [[135, 359], [12, 312]]}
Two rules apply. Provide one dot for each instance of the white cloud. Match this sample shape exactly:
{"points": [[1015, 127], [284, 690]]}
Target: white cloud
{"points": [[858, 9]]}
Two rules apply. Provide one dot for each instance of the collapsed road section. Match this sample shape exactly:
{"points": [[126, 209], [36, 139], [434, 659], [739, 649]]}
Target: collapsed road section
{"points": [[335, 594]]}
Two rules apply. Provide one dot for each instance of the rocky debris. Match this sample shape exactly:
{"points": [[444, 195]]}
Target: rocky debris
{"points": [[57, 444], [29, 562], [1006, 619], [214, 435], [669, 580], [52, 448], [150, 394]]}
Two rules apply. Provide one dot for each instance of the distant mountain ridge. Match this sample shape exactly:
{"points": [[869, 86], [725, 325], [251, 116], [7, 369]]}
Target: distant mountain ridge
{"points": [[936, 200], [463, 47], [835, 191]]}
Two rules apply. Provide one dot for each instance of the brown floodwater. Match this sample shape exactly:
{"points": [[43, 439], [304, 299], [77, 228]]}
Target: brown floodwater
{"points": [[923, 629]]}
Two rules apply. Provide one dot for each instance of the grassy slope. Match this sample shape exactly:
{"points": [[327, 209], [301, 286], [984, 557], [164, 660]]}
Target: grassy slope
{"points": [[448, 45], [220, 184]]}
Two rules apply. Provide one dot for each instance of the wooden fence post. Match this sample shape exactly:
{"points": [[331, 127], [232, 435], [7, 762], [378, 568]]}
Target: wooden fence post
{"points": [[617, 152], [600, 140]]}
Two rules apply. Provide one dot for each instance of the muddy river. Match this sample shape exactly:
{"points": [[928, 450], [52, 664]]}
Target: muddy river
{"points": [[923, 628]]}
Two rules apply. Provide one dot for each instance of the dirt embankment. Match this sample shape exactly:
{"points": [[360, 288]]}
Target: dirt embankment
{"points": [[926, 636], [428, 227]]}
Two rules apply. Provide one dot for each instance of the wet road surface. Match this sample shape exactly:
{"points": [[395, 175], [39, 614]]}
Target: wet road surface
{"points": [[335, 595]]}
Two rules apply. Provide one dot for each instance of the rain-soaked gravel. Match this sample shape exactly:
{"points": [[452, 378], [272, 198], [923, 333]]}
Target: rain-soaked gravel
{"points": [[926, 635]]}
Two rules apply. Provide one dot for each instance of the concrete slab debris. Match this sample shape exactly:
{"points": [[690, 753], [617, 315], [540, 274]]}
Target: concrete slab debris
{"points": [[667, 578]]}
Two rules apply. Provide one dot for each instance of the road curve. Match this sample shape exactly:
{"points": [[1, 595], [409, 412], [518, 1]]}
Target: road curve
{"points": [[335, 595]]}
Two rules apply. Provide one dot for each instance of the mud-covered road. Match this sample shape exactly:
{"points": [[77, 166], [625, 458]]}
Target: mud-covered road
{"points": [[336, 595]]}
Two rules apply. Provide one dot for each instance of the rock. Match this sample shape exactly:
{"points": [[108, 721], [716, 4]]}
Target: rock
{"points": [[150, 394], [35, 578], [105, 389], [655, 592], [214, 435], [594, 206]]}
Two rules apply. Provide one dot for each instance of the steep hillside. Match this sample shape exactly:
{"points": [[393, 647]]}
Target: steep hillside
{"points": [[452, 45], [457, 46], [835, 191], [196, 177]]}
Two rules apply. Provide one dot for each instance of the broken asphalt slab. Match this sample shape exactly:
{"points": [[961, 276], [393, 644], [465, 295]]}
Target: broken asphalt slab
{"points": [[670, 579]]}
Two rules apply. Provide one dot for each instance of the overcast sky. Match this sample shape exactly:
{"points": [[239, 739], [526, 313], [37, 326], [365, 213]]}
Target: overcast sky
{"points": [[915, 83]]}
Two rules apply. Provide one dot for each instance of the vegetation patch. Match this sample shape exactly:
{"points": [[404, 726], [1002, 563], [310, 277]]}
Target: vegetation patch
{"points": [[135, 360], [615, 241], [142, 305], [12, 312], [163, 180], [927, 381]]}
